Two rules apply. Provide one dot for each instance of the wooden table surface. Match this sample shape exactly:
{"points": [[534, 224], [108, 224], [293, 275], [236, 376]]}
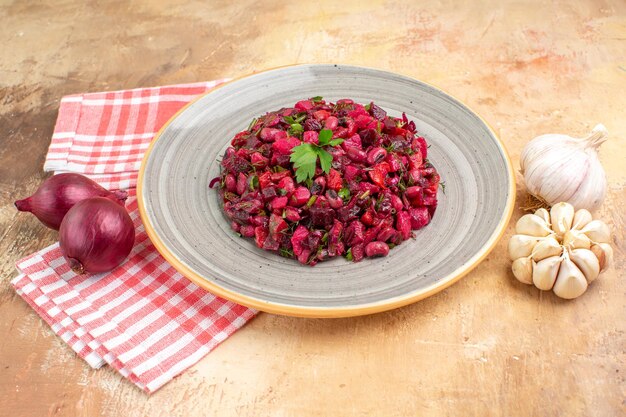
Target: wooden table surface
{"points": [[486, 346]]}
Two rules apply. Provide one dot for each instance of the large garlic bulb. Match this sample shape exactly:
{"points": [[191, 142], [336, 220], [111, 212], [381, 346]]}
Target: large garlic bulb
{"points": [[562, 251], [562, 168]]}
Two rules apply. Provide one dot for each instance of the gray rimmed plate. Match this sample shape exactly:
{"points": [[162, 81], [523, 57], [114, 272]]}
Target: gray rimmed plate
{"points": [[184, 220]]}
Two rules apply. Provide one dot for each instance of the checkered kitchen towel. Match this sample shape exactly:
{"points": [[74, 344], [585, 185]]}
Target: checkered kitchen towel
{"points": [[143, 318]]}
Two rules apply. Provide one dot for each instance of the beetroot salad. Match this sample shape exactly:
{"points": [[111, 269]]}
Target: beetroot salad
{"points": [[322, 179]]}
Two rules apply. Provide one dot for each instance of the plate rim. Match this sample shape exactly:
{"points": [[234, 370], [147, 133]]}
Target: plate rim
{"points": [[326, 312]]}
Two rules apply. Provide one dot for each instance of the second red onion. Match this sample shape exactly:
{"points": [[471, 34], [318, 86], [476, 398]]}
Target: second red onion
{"points": [[96, 235]]}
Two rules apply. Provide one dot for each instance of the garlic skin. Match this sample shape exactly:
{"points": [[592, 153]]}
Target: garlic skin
{"points": [[604, 253], [560, 168], [562, 250]]}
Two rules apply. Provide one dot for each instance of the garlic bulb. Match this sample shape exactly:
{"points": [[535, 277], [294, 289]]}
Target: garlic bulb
{"points": [[560, 250], [562, 168]]}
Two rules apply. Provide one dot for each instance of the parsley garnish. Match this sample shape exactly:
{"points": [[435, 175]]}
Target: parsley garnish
{"points": [[348, 255], [344, 193], [326, 138], [304, 157], [253, 182], [442, 184], [295, 129], [295, 119], [316, 99]]}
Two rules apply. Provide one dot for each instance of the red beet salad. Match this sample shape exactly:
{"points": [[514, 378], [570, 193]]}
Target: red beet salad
{"points": [[322, 179]]}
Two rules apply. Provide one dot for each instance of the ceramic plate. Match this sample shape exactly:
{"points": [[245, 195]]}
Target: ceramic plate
{"points": [[184, 220]]}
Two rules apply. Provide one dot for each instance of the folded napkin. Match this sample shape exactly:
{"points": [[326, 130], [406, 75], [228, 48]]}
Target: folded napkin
{"points": [[143, 318]]}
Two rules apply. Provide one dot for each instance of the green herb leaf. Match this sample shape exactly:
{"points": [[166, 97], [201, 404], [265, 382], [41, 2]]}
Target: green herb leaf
{"points": [[344, 193], [348, 255], [252, 123], [325, 136], [368, 106], [253, 182], [325, 159], [292, 120], [230, 196], [442, 184], [296, 129], [304, 158], [316, 99], [286, 253], [281, 191], [300, 117], [311, 201]]}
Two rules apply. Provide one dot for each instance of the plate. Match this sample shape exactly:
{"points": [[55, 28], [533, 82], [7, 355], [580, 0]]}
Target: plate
{"points": [[184, 221]]}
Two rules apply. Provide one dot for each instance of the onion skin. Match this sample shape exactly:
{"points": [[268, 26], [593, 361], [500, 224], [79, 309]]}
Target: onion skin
{"points": [[96, 235], [59, 193]]}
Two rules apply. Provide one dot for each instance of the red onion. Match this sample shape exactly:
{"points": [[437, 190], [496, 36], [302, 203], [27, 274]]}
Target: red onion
{"points": [[59, 193], [96, 235]]}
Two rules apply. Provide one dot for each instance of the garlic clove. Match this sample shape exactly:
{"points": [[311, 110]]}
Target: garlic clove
{"points": [[575, 239], [521, 246], [543, 213], [546, 248], [523, 270], [604, 253], [532, 225], [581, 219], [561, 217], [597, 231], [545, 272], [587, 262], [570, 281]]}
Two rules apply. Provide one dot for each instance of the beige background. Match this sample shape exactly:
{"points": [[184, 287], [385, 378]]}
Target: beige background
{"points": [[486, 346]]}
